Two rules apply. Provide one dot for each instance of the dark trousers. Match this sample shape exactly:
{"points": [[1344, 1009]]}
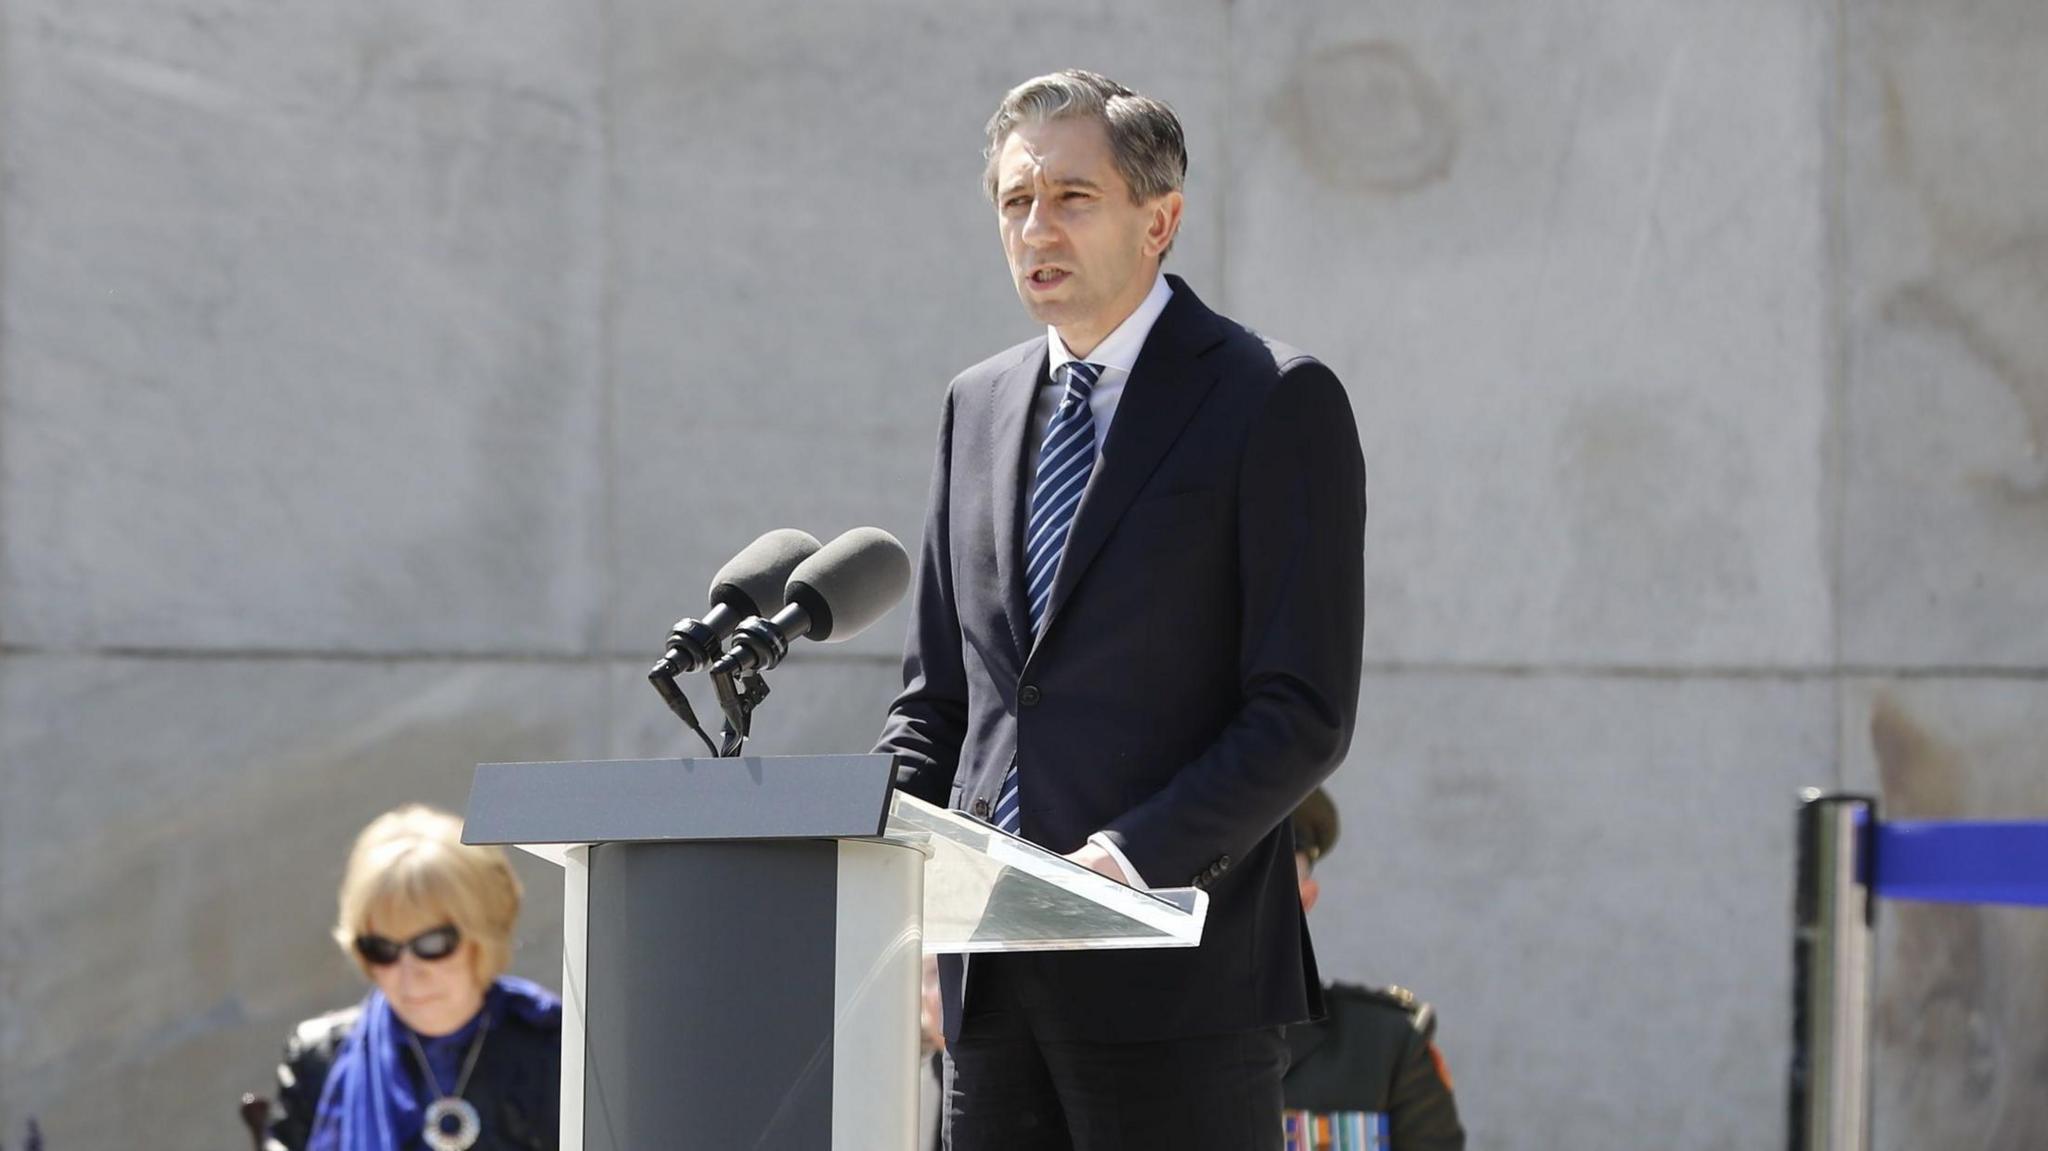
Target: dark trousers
{"points": [[1008, 1089]]}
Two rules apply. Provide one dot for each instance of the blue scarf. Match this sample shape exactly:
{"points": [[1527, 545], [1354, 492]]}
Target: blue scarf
{"points": [[369, 1103]]}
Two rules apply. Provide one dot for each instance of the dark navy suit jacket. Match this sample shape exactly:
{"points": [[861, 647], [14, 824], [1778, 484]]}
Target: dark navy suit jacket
{"points": [[1197, 674]]}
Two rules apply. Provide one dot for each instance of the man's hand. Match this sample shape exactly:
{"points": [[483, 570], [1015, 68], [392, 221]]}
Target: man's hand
{"points": [[930, 1020], [1094, 858]]}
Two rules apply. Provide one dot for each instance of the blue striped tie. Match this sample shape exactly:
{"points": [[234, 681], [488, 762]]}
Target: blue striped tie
{"points": [[1065, 461]]}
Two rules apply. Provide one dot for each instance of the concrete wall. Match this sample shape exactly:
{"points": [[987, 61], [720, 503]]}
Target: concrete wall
{"points": [[378, 381]]}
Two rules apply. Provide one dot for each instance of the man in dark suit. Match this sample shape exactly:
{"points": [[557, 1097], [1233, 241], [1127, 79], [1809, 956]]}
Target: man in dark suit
{"points": [[1135, 640]]}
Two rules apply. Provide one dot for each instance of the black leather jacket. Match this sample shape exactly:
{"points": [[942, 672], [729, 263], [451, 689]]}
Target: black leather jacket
{"points": [[516, 1088]]}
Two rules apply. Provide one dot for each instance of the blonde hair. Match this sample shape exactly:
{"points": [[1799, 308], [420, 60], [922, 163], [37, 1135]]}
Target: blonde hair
{"points": [[411, 866]]}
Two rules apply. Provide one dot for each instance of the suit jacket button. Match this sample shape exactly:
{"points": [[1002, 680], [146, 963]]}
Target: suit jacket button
{"points": [[981, 809], [1223, 865], [1029, 695]]}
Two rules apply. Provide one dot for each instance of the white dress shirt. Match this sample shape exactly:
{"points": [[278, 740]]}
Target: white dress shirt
{"points": [[1115, 355]]}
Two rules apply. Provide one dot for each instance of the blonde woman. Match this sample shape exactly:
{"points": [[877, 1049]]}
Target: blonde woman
{"points": [[446, 1051]]}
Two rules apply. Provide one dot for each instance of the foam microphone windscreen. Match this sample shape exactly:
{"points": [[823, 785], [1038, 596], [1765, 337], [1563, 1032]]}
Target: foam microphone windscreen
{"points": [[752, 581], [852, 582]]}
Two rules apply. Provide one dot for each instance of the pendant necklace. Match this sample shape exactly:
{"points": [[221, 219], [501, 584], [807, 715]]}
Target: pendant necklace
{"points": [[452, 1121]]}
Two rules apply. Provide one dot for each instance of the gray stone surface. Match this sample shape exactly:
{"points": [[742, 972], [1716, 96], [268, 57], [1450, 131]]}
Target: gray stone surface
{"points": [[1570, 264], [302, 327], [331, 333], [803, 259], [1591, 879], [172, 833], [1945, 551], [1958, 1045]]}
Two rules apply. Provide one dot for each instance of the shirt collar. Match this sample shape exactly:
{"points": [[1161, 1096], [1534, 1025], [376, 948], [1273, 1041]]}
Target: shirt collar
{"points": [[1119, 350]]}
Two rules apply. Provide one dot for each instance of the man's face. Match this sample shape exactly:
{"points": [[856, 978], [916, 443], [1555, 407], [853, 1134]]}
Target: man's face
{"points": [[1082, 254]]}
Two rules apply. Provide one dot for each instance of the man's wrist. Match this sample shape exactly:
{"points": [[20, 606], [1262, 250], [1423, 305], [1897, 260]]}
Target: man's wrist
{"points": [[1107, 843]]}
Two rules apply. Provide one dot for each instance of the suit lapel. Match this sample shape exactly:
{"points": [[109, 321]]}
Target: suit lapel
{"points": [[1166, 385], [1013, 390]]}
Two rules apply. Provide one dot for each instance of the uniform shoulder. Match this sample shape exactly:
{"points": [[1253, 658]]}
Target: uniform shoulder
{"points": [[1388, 998]]}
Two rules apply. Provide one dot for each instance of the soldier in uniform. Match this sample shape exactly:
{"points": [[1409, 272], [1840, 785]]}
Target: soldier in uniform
{"points": [[1372, 1061]]}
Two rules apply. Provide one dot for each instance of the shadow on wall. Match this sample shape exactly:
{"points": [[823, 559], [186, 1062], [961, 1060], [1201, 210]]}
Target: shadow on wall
{"points": [[1986, 276], [1366, 117]]}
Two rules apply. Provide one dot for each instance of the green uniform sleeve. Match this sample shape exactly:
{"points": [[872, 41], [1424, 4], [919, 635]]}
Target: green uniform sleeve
{"points": [[1423, 1114]]}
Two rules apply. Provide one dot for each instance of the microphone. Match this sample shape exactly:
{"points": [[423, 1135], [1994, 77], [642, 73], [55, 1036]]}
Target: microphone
{"points": [[834, 595], [748, 580]]}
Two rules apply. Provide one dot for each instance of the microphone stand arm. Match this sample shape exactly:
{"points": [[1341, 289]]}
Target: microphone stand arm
{"points": [[671, 693]]}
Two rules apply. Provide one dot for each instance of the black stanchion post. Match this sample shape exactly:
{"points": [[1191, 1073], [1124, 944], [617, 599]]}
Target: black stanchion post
{"points": [[1833, 917]]}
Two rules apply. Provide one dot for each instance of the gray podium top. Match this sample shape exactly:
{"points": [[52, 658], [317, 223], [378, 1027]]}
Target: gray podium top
{"points": [[670, 800]]}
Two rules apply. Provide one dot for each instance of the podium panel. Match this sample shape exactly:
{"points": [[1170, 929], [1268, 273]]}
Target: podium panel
{"points": [[677, 932]]}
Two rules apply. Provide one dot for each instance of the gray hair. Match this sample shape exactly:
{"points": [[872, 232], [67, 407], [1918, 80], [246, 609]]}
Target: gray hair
{"points": [[1144, 134]]}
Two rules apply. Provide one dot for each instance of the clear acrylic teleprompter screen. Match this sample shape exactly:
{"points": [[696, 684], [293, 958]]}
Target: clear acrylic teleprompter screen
{"points": [[986, 890]]}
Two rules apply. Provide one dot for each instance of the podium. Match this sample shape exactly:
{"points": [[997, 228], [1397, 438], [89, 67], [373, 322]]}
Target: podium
{"points": [[741, 939]]}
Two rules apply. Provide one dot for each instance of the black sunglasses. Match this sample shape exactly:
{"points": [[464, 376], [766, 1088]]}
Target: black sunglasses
{"points": [[439, 943]]}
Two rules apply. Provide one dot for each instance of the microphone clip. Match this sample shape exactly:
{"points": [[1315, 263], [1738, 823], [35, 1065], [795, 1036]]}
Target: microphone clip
{"points": [[740, 691]]}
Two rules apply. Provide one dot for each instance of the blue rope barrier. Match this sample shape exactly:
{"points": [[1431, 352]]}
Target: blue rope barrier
{"points": [[1960, 861]]}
